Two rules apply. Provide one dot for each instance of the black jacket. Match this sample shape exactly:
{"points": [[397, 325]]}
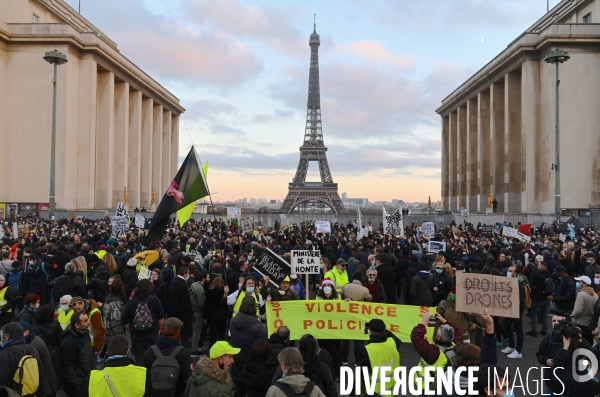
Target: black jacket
{"points": [[387, 274], [420, 289], [245, 329], [215, 304], [548, 349], [130, 279], [76, 358], [276, 345], [363, 256], [10, 356], [75, 284], [444, 283], [257, 382], [565, 300], [537, 285], [184, 358], [181, 305], [99, 287], [412, 271], [320, 373], [155, 308], [34, 281]]}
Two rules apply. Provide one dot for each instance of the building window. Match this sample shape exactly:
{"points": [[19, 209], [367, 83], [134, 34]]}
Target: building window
{"points": [[35, 18], [587, 18]]}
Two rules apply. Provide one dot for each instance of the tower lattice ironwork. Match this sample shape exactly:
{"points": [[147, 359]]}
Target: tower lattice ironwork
{"points": [[313, 149]]}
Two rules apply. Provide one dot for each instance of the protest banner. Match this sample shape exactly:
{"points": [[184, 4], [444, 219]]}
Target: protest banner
{"points": [[323, 226], [119, 224], [476, 292], [140, 221], [341, 319], [121, 210], [436, 246], [234, 214], [393, 223], [514, 233], [489, 229], [497, 229], [270, 264], [305, 261], [562, 237], [362, 233], [464, 212], [428, 229], [525, 229], [144, 273]]}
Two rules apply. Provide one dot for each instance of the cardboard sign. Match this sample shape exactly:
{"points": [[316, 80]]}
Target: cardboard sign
{"points": [[428, 229], [323, 226], [499, 294], [514, 233], [305, 261], [270, 264], [140, 221], [436, 246]]}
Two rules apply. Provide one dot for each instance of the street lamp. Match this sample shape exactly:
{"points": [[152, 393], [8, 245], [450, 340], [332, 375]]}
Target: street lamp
{"points": [[56, 58], [556, 57]]}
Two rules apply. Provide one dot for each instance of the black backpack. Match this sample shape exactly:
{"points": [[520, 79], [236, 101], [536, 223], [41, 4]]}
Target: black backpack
{"points": [[63, 285], [289, 392], [164, 372]]}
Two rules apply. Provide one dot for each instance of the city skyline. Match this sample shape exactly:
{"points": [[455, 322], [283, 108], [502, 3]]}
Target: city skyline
{"points": [[241, 71]]}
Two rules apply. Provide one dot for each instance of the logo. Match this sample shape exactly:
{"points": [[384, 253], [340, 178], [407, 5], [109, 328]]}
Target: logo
{"points": [[173, 192], [581, 364]]}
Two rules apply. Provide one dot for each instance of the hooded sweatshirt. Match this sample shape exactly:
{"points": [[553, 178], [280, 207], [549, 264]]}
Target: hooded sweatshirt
{"points": [[584, 306]]}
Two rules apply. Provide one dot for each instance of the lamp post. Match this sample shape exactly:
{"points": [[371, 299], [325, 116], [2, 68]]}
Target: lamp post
{"points": [[556, 57], [55, 58]]}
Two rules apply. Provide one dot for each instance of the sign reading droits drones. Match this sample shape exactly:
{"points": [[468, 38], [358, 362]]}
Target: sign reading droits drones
{"points": [[305, 261]]}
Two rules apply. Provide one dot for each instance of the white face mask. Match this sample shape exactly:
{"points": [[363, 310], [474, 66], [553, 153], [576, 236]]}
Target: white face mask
{"points": [[281, 292], [64, 307], [597, 281], [509, 274], [239, 285], [327, 290]]}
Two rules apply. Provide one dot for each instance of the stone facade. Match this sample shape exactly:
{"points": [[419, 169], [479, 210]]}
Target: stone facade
{"points": [[498, 127], [116, 126]]}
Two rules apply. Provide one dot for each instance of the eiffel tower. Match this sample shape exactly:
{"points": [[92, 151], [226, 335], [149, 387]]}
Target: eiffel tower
{"points": [[313, 149]]}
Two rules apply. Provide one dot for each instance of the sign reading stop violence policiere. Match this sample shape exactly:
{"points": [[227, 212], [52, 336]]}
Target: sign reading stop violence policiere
{"points": [[476, 292], [305, 261]]}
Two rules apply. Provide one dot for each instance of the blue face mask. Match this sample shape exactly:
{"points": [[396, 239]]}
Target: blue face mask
{"points": [[438, 271], [578, 285], [249, 290], [511, 394], [83, 331]]}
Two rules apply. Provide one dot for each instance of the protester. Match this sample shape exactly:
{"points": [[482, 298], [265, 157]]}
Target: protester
{"points": [[76, 356], [355, 291], [215, 309], [567, 292], [540, 302], [112, 313], [49, 381], [583, 311], [32, 302], [198, 300], [284, 293], [293, 382], [516, 324], [130, 277], [211, 375], [258, 370], [375, 286], [98, 287], [181, 305], [387, 274], [463, 321], [14, 348], [278, 341], [441, 283], [297, 286], [420, 287], [338, 275], [7, 301]]}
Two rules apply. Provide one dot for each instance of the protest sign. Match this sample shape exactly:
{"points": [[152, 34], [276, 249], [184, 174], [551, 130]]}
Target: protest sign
{"points": [[362, 233], [234, 214], [119, 224], [15, 230], [476, 292], [525, 228], [436, 246], [341, 319], [428, 229], [514, 233], [270, 264], [121, 210], [393, 223], [455, 230], [464, 212], [144, 274], [497, 229], [486, 229], [562, 237], [140, 221], [305, 261], [323, 226]]}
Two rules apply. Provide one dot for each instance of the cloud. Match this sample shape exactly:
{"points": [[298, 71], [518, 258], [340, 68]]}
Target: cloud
{"points": [[375, 52], [204, 109], [277, 115]]}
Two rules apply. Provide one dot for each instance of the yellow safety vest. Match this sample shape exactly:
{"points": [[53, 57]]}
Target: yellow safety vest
{"points": [[340, 279], [96, 310], [442, 361], [238, 303], [64, 318], [384, 355], [2, 301], [128, 381], [100, 254]]}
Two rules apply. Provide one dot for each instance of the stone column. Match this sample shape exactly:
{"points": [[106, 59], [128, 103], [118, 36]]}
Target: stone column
{"points": [[472, 184], [451, 205], [530, 130], [445, 157], [105, 140], [134, 157], [157, 164], [121, 142], [484, 152], [86, 136], [147, 157], [461, 150], [168, 174], [514, 176], [497, 142]]}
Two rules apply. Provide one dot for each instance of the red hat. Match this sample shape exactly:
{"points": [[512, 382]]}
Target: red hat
{"points": [[453, 289], [327, 281]]}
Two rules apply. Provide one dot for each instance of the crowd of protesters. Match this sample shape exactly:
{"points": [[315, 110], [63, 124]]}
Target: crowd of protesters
{"points": [[96, 316]]}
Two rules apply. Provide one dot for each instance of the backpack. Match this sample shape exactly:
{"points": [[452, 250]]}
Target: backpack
{"points": [[14, 280], [548, 286], [527, 294], [289, 392], [164, 372], [142, 319], [63, 286], [27, 375], [112, 318]]}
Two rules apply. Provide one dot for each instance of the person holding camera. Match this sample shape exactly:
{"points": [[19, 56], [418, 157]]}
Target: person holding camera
{"points": [[578, 383], [583, 312]]}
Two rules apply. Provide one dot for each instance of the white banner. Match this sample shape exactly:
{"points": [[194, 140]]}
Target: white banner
{"points": [[514, 233], [428, 229], [323, 226], [305, 261], [140, 221], [359, 219]]}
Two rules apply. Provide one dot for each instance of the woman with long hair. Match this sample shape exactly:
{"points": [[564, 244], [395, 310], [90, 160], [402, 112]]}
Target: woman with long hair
{"points": [[258, 370], [314, 368], [110, 263], [81, 267], [112, 311], [215, 309]]}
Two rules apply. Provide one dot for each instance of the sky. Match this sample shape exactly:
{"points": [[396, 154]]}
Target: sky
{"points": [[240, 68]]}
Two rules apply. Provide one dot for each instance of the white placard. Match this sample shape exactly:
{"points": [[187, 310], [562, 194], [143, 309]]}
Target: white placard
{"points": [[119, 224], [305, 261], [15, 231], [464, 212], [514, 233], [140, 221], [428, 229], [144, 273], [436, 246], [323, 226]]}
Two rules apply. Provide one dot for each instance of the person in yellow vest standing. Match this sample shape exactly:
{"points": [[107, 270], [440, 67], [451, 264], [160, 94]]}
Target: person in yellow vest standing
{"points": [[382, 350], [65, 311], [249, 288], [338, 275], [7, 302], [120, 377]]}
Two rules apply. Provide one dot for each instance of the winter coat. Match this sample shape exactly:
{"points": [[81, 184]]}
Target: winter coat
{"points": [[356, 292], [208, 380], [565, 300], [538, 284], [276, 345], [583, 311], [447, 309], [363, 256], [258, 382], [245, 329], [198, 297], [428, 351], [99, 287], [27, 315], [321, 375], [410, 273], [387, 274], [155, 308], [10, 355], [34, 281], [180, 294], [380, 291], [49, 384], [166, 345], [215, 303], [75, 283], [420, 289], [51, 334], [297, 382], [444, 283], [76, 357]]}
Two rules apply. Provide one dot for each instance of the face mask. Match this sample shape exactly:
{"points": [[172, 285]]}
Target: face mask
{"points": [[327, 290], [597, 281], [438, 271], [239, 285], [320, 266], [509, 274], [343, 270], [83, 331], [37, 305], [281, 292], [249, 290], [371, 279], [64, 307], [30, 263], [453, 297], [589, 261], [511, 394], [578, 285], [372, 263]]}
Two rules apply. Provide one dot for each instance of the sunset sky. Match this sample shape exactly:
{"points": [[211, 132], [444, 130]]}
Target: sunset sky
{"points": [[240, 68]]}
